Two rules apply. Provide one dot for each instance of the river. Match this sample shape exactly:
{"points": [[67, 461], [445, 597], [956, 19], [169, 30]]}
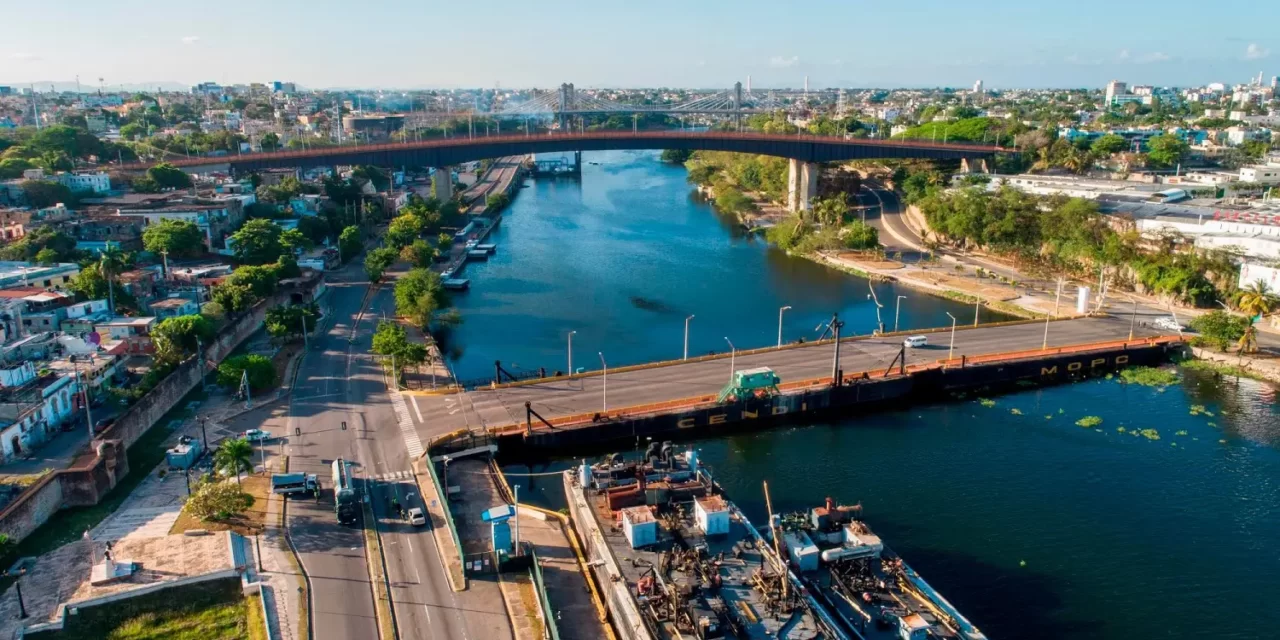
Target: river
{"points": [[624, 255], [1033, 526]]}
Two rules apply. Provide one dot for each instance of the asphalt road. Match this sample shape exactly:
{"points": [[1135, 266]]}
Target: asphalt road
{"points": [[568, 397]]}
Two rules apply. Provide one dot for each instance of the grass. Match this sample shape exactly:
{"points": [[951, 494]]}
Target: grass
{"points": [[1149, 376], [256, 623], [1209, 366], [68, 525], [250, 523], [229, 620]]}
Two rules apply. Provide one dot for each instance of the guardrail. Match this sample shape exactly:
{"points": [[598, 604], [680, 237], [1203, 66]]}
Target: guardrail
{"points": [[808, 383], [550, 629], [443, 491]]}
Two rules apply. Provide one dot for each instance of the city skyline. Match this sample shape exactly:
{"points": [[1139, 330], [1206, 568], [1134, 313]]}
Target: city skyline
{"points": [[387, 45]]}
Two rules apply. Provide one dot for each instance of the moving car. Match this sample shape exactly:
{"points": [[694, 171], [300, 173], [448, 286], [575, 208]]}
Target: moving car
{"points": [[1168, 323], [103, 425], [256, 435], [911, 342], [417, 518]]}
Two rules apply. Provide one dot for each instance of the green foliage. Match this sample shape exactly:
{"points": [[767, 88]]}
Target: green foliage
{"points": [[11, 168], [377, 262], [420, 295], [167, 176], [1220, 329], [964, 130], [676, 156], [280, 193], [1109, 144], [214, 501], [176, 338], [287, 322], [234, 456], [1149, 376], [90, 284], [419, 254], [444, 242], [294, 242], [391, 340], [349, 243], [496, 202], [403, 230], [858, 235], [180, 238], [262, 374], [234, 298], [38, 241], [730, 200], [258, 242], [1166, 150], [260, 279], [1089, 421], [40, 194]]}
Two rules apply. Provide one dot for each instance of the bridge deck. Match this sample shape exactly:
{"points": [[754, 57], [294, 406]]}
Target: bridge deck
{"points": [[643, 386]]}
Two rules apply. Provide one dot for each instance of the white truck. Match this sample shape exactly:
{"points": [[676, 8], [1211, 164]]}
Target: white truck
{"points": [[287, 484]]}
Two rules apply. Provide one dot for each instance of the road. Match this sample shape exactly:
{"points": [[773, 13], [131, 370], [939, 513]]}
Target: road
{"points": [[339, 382], [497, 407]]}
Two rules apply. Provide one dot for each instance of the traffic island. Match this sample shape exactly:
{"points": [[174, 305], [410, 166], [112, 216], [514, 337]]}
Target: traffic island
{"points": [[441, 522], [378, 575]]}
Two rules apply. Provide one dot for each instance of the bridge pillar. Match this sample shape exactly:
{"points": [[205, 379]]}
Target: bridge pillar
{"points": [[442, 183], [802, 184], [969, 166]]}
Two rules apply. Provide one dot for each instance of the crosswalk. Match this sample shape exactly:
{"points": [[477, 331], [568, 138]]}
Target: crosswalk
{"points": [[394, 475], [412, 444]]}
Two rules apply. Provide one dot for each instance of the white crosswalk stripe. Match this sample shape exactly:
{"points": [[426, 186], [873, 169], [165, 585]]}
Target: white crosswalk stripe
{"points": [[394, 475], [412, 444]]}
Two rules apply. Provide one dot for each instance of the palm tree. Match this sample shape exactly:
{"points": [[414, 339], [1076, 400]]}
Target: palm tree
{"points": [[234, 456], [111, 262], [1256, 300]]}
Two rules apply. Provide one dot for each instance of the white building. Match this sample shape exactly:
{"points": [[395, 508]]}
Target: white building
{"points": [[32, 408], [1261, 174], [1115, 88], [96, 182]]}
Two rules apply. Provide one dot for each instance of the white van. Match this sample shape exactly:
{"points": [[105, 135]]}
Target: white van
{"points": [[915, 341]]}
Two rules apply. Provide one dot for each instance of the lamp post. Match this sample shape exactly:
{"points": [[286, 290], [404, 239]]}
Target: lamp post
{"points": [[780, 311], [1133, 319], [604, 378], [733, 354], [571, 351], [977, 304], [1056, 300], [686, 336], [952, 349], [897, 309], [84, 393]]}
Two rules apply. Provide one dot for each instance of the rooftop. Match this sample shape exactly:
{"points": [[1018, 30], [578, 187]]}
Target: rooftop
{"points": [[171, 303]]}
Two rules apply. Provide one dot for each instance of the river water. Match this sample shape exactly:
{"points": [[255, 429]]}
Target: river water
{"points": [[623, 256], [1033, 526]]}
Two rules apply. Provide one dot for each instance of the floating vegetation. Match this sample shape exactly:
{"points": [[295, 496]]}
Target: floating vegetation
{"points": [[1060, 412], [1120, 429], [1089, 421], [1110, 376], [1220, 369], [1150, 434], [1022, 563], [1149, 376], [987, 402], [1222, 442], [1213, 424], [1173, 444], [1049, 417], [1197, 409], [1181, 432], [1016, 411]]}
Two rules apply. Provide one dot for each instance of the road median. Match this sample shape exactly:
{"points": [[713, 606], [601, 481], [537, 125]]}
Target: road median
{"points": [[378, 575]]}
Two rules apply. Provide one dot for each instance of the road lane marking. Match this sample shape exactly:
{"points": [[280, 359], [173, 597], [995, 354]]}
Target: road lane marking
{"points": [[412, 444], [414, 400]]}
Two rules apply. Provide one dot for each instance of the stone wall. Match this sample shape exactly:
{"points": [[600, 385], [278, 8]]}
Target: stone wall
{"points": [[32, 508]]}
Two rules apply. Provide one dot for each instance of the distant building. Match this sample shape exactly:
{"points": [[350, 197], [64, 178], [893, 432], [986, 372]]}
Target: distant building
{"points": [[26, 274], [1264, 174], [1115, 88], [98, 182], [372, 127], [173, 307]]}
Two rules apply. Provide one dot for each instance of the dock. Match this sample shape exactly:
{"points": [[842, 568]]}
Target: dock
{"points": [[456, 284]]}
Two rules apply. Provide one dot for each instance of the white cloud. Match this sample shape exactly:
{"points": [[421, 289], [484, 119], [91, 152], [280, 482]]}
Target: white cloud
{"points": [[190, 39], [1254, 52], [1154, 56], [779, 62], [25, 57], [1124, 54]]}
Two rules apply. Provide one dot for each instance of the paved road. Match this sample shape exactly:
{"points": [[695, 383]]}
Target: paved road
{"points": [[339, 382], [568, 397]]}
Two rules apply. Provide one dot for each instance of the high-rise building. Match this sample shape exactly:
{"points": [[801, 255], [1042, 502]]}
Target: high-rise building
{"points": [[977, 87], [806, 84], [1115, 88], [1275, 82], [748, 84]]}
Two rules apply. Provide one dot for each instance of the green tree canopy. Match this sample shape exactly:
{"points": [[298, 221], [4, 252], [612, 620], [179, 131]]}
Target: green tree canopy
{"points": [[1166, 150], [45, 193], [167, 176], [262, 374], [287, 322], [215, 501], [261, 279], [419, 254], [180, 238], [349, 243], [258, 242], [176, 338], [377, 262], [403, 230], [420, 295], [234, 298]]}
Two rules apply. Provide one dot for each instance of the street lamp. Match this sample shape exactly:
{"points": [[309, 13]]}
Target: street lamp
{"points": [[84, 392], [571, 351], [897, 309], [733, 354], [952, 349], [1056, 300], [977, 304], [604, 377], [686, 336], [1133, 319], [780, 324]]}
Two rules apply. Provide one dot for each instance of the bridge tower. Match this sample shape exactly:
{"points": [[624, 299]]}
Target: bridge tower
{"points": [[737, 105], [802, 184], [567, 100]]}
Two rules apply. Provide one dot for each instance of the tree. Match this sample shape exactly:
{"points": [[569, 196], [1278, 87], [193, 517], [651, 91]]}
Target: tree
{"points": [[167, 176], [1109, 144], [315, 229], [403, 230], [44, 193], [111, 262], [859, 235], [496, 201], [419, 254], [1220, 329], [419, 295], [269, 141], [675, 156], [444, 242], [1166, 150], [258, 242], [262, 374], [289, 322], [1256, 300], [295, 242], [46, 256], [213, 311], [831, 210], [176, 338], [260, 279], [391, 340], [234, 456], [213, 501], [11, 168], [730, 200], [178, 238], [234, 298], [377, 262], [133, 131], [349, 243]]}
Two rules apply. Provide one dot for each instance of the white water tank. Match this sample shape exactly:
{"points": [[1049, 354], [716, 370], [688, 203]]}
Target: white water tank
{"points": [[1082, 300]]}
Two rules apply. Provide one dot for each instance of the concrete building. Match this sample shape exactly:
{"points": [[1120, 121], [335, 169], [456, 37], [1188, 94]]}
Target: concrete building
{"points": [[216, 218], [174, 307], [32, 408], [1261, 174], [98, 182], [135, 333], [26, 274], [1115, 88]]}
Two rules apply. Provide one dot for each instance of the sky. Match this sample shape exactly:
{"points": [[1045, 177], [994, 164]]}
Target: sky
{"points": [[650, 43]]}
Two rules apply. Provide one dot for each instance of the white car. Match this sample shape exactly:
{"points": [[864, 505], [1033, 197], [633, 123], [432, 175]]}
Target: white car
{"points": [[1167, 323], [256, 435], [417, 518], [914, 342]]}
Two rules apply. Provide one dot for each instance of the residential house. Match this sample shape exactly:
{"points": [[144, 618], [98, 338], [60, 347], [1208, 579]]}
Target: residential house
{"points": [[26, 274], [135, 333], [140, 283], [32, 408], [173, 307], [98, 182]]}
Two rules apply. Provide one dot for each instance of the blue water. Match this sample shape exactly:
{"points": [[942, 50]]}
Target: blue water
{"points": [[1122, 536], [623, 256]]}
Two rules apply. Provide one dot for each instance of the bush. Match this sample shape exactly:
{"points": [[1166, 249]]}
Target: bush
{"points": [[1219, 329], [262, 374], [214, 501]]}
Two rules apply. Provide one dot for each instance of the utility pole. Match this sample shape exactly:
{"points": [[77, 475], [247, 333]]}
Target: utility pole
{"points": [[835, 325], [1056, 300]]}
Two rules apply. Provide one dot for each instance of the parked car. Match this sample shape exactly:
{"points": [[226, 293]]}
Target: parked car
{"points": [[417, 518], [256, 435], [103, 425]]}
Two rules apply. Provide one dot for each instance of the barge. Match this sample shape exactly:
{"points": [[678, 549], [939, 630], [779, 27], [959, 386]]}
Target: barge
{"points": [[676, 559]]}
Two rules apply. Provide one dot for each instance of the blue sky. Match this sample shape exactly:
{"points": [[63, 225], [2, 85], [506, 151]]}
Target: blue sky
{"points": [[691, 43]]}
